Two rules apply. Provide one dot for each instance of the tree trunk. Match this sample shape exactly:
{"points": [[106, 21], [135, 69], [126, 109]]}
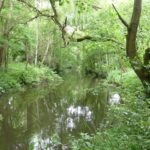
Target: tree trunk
{"points": [[131, 48], [37, 3], [1, 55], [5, 36], [4, 52], [141, 69], [46, 51]]}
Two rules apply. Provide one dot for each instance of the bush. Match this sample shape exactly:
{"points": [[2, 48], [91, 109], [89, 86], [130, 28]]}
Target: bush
{"points": [[17, 76]]}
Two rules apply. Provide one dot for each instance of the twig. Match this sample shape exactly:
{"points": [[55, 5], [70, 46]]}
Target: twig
{"points": [[29, 20]]}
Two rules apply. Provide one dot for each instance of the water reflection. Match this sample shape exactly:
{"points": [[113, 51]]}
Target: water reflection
{"points": [[32, 116], [115, 99], [75, 114]]}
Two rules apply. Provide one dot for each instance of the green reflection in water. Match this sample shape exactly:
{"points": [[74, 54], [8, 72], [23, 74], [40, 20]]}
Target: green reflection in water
{"points": [[42, 112]]}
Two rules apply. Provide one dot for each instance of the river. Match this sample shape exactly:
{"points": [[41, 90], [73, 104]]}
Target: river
{"points": [[35, 116]]}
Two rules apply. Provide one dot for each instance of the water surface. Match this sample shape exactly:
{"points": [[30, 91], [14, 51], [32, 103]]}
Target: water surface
{"points": [[36, 115]]}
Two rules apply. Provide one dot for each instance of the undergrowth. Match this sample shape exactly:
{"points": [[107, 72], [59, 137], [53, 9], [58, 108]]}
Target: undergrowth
{"points": [[18, 75], [126, 126]]}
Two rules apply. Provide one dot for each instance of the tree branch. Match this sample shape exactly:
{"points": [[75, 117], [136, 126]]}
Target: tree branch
{"points": [[29, 20], [53, 17], [35, 9], [120, 17], [86, 38], [1, 4], [15, 25], [99, 39], [57, 22]]}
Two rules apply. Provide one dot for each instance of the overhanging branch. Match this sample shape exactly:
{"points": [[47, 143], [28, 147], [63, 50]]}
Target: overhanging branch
{"points": [[15, 25], [99, 39], [53, 17], [57, 22], [35, 9], [31, 19]]}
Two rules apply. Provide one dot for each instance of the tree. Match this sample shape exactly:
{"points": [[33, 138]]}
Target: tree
{"points": [[141, 68], [5, 34]]}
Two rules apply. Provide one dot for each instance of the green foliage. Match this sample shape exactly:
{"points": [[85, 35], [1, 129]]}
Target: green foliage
{"points": [[19, 75], [115, 76], [83, 143], [125, 126]]}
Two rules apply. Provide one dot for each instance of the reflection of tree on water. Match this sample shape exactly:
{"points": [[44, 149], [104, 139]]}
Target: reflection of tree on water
{"points": [[11, 127], [39, 113]]}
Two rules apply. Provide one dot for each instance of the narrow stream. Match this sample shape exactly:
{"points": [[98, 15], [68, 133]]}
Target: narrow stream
{"points": [[34, 115]]}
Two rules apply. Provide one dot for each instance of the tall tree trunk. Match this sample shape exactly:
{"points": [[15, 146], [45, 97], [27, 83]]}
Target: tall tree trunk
{"points": [[141, 69], [131, 48], [4, 52], [37, 3], [5, 36], [46, 51]]}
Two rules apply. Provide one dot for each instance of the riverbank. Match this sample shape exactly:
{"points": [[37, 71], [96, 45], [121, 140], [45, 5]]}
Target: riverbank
{"points": [[18, 76], [126, 126]]}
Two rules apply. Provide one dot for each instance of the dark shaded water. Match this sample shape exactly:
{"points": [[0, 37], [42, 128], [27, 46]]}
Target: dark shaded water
{"points": [[34, 116]]}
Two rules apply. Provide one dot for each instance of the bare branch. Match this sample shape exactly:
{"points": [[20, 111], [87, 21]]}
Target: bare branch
{"points": [[29, 20], [35, 9], [96, 7], [15, 25], [58, 23], [53, 17], [120, 17]]}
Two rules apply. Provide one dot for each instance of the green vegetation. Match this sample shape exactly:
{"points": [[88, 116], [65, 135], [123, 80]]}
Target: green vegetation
{"points": [[19, 75], [105, 43], [125, 126]]}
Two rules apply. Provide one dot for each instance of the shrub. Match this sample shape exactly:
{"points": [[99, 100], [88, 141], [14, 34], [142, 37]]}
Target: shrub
{"points": [[18, 75]]}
